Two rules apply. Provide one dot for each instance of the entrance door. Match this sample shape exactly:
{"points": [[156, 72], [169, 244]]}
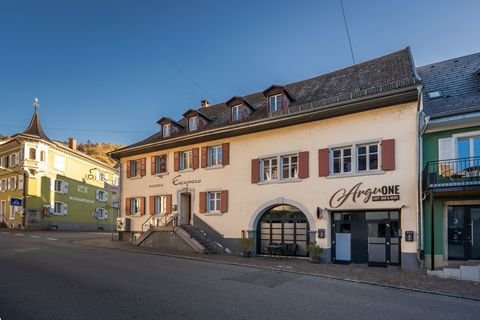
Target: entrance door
{"points": [[383, 237], [463, 233], [186, 213]]}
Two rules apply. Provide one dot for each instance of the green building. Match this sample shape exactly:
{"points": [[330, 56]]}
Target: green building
{"points": [[45, 184], [451, 159]]}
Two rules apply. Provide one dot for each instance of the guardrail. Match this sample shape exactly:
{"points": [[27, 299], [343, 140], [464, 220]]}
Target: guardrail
{"points": [[451, 173]]}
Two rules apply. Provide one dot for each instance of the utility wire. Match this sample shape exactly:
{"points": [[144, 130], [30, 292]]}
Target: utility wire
{"points": [[348, 33], [83, 130]]}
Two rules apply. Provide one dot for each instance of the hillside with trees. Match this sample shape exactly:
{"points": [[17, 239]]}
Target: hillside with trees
{"points": [[99, 151]]}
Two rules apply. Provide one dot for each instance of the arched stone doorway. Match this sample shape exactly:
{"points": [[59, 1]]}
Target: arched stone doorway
{"points": [[283, 225]]}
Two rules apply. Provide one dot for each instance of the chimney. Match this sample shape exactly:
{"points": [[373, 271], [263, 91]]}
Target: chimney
{"points": [[205, 104], [72, 143]]}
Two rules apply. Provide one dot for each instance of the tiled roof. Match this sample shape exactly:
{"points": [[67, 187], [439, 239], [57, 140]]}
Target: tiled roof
{"points": [[458, 81], [379, 76], [35, 128]]}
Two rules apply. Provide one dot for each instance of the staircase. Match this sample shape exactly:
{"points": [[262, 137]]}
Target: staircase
{"points": [[463, 270], [201, 237], [154, 224]]}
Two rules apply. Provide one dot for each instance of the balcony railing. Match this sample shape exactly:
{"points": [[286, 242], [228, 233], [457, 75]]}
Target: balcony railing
{"points": [[452, 173]]}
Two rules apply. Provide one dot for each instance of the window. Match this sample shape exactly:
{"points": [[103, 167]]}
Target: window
{"points": [[60, 208], [4, 162], [269, 169], [116, 180], [3, 185], [43, 156], [166, 130], [32, 155], [236, 112], [367, 157], [60, 186], [135, 166], [101, 176], [13, 160], [289, 166], [342, 160], [213, 201], [215, 156], [193, 123], [101, 214], [12, 212], [468, 147], [275, 102], [159, 164], [186, 160], [160, 204], [102, 195], [136, 206], [434, 94], [12, 183]]}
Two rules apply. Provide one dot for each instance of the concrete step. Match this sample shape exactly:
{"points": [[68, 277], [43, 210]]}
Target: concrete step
{"points": [[467, 273], [470, 273]]}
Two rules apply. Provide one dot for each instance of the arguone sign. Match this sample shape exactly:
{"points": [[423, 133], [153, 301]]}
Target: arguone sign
{"points": [[359, 194]]}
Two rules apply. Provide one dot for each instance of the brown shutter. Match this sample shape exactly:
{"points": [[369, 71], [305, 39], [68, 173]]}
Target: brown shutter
{"points": [[128, 169], [203, 202], [195, 158], [204, 157], [152, 204], [225, 154], [224, 201], [176, 161], [143, 166], [303, 164], [255, 170], [169, 204], [323, 163], [128, 203], [142, 206], [388, 154], [152, 166]]}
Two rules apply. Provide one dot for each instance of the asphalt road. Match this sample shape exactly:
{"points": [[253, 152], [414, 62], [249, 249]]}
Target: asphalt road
{"points": [[43, 275]]}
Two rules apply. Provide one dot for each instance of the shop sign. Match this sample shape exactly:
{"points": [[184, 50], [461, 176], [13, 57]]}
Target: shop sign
{"points": [[158, 185], [365, 195], [178, 182]]}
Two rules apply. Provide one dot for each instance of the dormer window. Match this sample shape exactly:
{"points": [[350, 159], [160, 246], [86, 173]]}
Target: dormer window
{"points": [[166, 130], [193, 123], [275, 102], [236, 112]]}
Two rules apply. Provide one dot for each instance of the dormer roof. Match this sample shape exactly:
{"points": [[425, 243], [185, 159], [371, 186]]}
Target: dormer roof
{"points": [[35, 129], [165, 120], [236, 100], [276, 89], [193, 112]]}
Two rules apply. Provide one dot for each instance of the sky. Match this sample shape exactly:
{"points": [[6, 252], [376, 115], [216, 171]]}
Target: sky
{"points": [[107, 70]]}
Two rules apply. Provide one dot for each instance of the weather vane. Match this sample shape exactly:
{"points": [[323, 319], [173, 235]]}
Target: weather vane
{"points": [[36, 104]]}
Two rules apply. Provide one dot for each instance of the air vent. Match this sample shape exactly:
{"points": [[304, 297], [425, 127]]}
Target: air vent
{"points": [[434, 94]]}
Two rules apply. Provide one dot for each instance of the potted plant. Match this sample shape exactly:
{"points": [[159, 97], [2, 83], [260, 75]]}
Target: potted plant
{"points": [[246, 246], [315, 252]]}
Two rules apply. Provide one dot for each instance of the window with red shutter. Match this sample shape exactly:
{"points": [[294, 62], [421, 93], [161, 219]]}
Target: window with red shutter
{"points": [[224, 201], [169, 204], [195, 158], [203, 202], [128, 208], [151, 205], [204, 157], [388, 154], [303, 164], [143, 167], [255, 170], [323, 163], [225, 154], [176, 160]]}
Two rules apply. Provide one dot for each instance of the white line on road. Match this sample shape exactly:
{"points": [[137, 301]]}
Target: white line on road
{"points": [[19, 234], [3, 232], [53, 239], [36, 237]]}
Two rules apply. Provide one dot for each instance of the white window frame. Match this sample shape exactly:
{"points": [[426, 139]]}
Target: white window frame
{"points": [[275, 102], [160, 204], [116, 180], [3, 161], [291, 166], [30, 149], [3, 185], [193, 123], [355, 158], [266, 164], [3, 210], [134, 206], [236, 112], [12, 183], [60, 208], [215, 155], [135, 167], [43, 156], [214, 201], [342, 159], [101, 195], [13, 160], [186, 160], [60, 186], [101, 213], [166, 130], [368, 155], [158, 164]]}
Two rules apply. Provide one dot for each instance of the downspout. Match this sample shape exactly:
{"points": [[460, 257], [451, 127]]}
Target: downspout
{"points": [[420, 130], [25, 194]]}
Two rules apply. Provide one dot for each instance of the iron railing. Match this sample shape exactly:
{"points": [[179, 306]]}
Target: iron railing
{"points": [[460, 172]]}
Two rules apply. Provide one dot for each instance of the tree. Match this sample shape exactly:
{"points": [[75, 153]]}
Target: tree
{"points": [[99, 151]]}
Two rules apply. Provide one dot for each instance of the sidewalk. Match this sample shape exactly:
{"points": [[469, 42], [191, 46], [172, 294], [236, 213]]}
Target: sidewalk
{"points": [[394, 277]]}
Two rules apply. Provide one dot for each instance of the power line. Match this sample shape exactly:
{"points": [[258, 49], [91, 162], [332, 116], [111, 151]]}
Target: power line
{"points": [[82, 130], [348, 33]]}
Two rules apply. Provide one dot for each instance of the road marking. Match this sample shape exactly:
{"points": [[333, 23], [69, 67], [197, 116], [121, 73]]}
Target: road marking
{"points": [[3, 232], [19, 234], [36, 237], [53, 239], [100, 233]]}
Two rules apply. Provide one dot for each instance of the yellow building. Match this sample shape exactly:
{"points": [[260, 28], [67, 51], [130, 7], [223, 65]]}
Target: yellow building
{"points": [[46, 184], [330, 160]]}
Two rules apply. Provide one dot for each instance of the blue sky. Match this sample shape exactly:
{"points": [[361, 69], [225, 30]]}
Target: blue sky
{"points": [[107, 70]]}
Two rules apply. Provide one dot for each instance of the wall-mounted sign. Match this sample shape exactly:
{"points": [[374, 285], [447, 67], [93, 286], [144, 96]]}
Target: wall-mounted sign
{"points": [[16, 202], [178, 182], [80, 199], [82, 189], [357, 193], [158, 185]]}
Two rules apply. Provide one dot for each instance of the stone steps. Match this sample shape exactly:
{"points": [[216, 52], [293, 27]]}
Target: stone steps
{"points": [[467, 273]]}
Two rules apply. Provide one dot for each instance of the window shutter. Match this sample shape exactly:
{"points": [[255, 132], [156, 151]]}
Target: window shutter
{"points": [[143, 167], [204, 157], [323, 162], [52, 185], [388, 154], [97, 195], [176, 161], [224, 201], [142, 206], [65, 187], [303, 164], [152, 205], [195, 158], [20, 182], [105, 195], [168, 208], [255, 170], [152, 165], [128, 203], [64, 208], [203, 202], [446, 149], [225, 154], [128, 169], [8, 184]]}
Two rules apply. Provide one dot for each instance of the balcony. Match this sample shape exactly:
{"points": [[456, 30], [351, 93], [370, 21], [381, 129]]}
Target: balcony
{"points": [[454, 174]]}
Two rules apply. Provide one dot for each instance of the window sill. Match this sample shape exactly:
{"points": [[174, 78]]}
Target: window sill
{"points": [[355, 174], [186, 170], [135, 178], [161, 174], [215, 213], [279, 181], [214, 167]]}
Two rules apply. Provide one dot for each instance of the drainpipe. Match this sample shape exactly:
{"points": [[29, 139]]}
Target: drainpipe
{"points": [[420, 131], [25, 194], [432, 245]]}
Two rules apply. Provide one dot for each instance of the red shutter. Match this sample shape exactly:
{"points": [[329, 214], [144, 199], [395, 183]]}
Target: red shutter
{"points": [[152, 204], [255, 170], [143, 166], [203, 202], [152, 166], [388, 154], [224, 201], [303, 164], [128, 203], [195, 158], [204, 157], [323, 163], [128, 169], [142, 205], [176, 161], [225, 154], [169, 204]]}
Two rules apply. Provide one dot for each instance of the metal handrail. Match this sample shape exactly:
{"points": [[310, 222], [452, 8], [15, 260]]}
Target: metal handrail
{"points": [[451, 172], [164, 221]]}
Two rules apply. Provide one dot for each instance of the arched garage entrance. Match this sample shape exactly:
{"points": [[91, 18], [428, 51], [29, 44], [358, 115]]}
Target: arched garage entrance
{"points": [[284, 226]]}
